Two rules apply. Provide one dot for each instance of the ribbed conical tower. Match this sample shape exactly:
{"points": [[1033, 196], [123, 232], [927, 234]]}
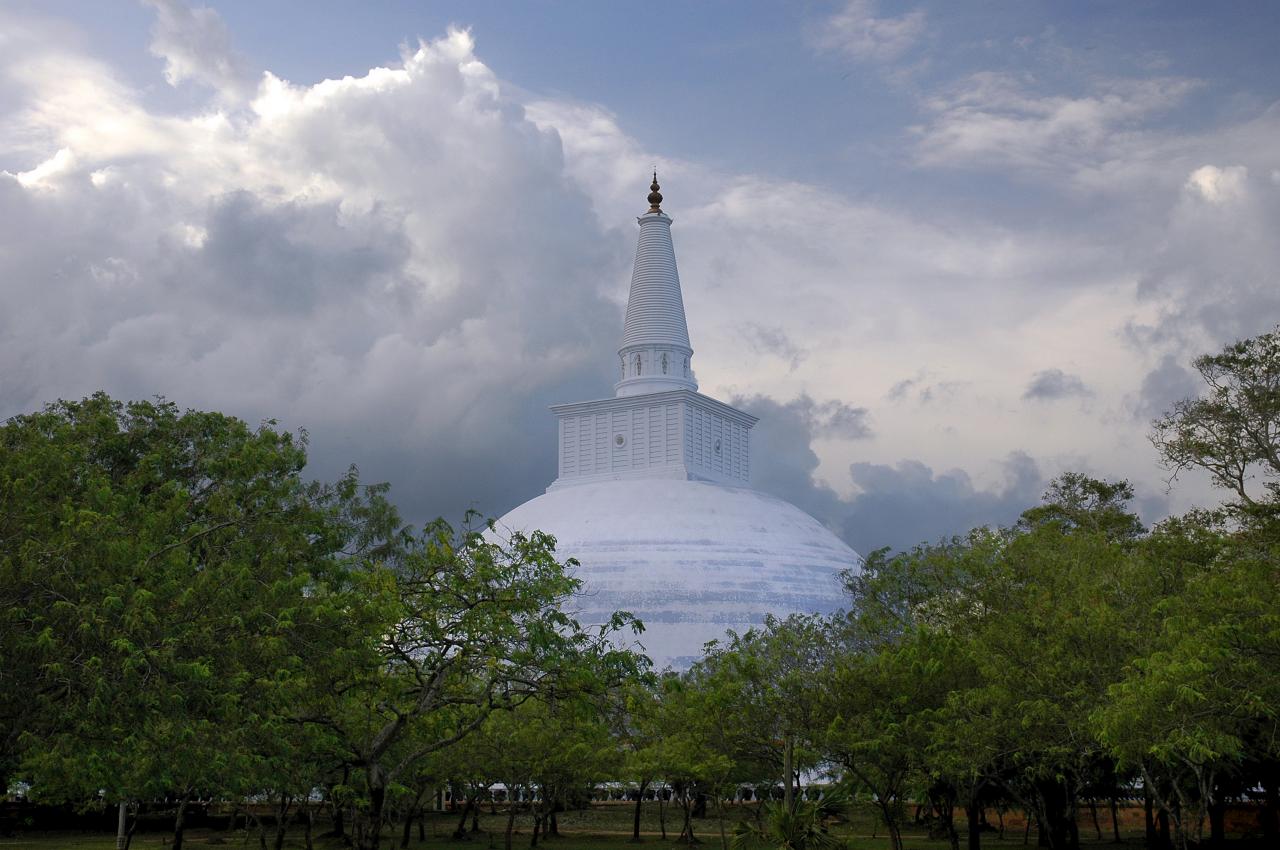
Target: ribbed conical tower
{"points": [[655, 355]]}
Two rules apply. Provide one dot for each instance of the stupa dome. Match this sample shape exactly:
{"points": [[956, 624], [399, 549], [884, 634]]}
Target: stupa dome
{"points": [[689, 558], [653, 497]]}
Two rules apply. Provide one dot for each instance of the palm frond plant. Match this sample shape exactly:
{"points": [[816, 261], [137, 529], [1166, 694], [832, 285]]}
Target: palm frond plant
{"points": [[803, 826]]}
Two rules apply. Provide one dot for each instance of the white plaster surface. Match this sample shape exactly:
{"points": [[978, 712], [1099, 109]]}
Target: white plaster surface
{"points": [[689, 558]]}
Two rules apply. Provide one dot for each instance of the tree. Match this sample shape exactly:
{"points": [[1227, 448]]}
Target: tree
{"points": [[157, 573], [690, 755], [769, 679], [639, 733], [1196, 711], [1076, 502], [1233, 432], [467, 624]]}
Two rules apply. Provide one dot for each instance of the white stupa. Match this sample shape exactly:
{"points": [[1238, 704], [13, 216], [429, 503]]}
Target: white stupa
{"points": [[654, 493]]}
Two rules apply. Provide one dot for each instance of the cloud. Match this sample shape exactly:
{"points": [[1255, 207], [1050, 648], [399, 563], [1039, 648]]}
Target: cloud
{"points": [[355, 257], [1053, 384], [827, 419], [923, 391], [1218, 185], [195, 45], [996, 119], [1169, 382], [907, 503], [896, 505], [361, 257], [773, 341], [857, 32]]}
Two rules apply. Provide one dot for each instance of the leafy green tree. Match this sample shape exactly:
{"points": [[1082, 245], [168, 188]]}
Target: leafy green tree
{"points": [[903, 653], [1076, 502], [468, 624], [1233, 432], [1200, 705], [156, 568], [875, 737], [1047, 639], [692, 756], [639, 734], [765, 683]]}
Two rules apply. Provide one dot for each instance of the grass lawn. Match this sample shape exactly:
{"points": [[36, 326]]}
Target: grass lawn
{"points": [[600, 827]]}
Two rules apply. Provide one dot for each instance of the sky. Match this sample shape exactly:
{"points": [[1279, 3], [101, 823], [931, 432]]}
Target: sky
{"points": [[945, 251]]}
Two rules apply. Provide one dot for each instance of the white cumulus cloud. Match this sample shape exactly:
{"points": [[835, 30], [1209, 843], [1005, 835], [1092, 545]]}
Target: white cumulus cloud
{"points": [[414, 261], [1218, 185], [195, 45]]}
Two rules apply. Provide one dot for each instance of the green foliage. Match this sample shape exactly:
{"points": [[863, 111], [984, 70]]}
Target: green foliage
{"points": [[155, 569], [181, 614], [1233, 432], [803, 826]]}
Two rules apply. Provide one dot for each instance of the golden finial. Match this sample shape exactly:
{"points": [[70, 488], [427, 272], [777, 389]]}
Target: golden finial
{"points": [[655, 197]]}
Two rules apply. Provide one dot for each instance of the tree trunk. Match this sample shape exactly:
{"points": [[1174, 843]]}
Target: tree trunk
{"points": [[973, 814], [1055, 831], [553, 823], [179, 823], [408, 831], [133, 827], [282, 820], [461, 831], [1162, 820], [724, 840], [338, 828], [1115, 820], [891, 823], [1148, 804], [1217, 823], [511, 819], [948, 813], [662, 814], [249, 817], [788, 756], [537, 827], [686, 831], [306, 827], [377, 805], [1093, 812], [122, 820], [635, 819]]}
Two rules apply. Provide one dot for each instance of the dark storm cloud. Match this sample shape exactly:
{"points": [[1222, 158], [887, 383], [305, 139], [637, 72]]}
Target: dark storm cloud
{"points": [[1169, 382], [1052, 384], [900, 505], [908, 503], [782, 456], [293, 257], [297, 275]]}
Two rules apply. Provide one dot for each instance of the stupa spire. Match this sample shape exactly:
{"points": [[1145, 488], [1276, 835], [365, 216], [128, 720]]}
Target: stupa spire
{"points": [[655, 197], [655, 355]]}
